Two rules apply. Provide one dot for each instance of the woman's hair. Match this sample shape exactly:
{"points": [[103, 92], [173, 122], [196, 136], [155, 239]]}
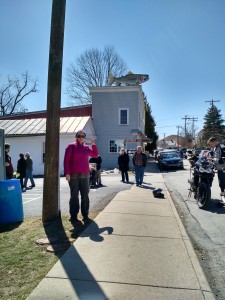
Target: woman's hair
{"points": [[122, 150]]}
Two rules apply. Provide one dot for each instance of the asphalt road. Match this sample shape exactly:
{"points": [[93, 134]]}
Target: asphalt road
{"points": [[206, 228], [99, 197]]}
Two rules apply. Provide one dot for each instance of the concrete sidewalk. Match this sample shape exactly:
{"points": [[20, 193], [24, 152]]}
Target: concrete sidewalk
{"points": [[137, 248]]}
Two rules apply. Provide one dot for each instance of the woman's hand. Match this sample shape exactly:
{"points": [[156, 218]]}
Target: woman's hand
{"points": [[92, 141], [68, 177]]}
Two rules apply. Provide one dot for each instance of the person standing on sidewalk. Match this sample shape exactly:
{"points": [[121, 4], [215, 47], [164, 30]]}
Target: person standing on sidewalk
{"points": [[29, 171], [76, 169], [8, 163], [219, 162], [21, 169], [123, 162], [98, 162], [139, 162]]}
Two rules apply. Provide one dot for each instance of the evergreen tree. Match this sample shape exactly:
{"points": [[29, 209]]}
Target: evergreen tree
{"points": [[150, 129], [213, 124]]}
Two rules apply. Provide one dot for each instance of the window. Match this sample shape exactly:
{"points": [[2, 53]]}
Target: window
{"points": [[123, 116], [116, 145]]}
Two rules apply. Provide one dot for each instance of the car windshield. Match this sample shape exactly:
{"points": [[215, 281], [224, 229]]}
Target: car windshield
{"points": [[170, 155]]}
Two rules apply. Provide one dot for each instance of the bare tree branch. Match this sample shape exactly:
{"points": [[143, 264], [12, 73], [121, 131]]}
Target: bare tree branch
{"points": [[92, 69], [13, 92]]}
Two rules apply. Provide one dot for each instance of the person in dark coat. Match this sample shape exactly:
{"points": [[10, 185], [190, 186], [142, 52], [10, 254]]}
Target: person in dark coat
{"points": [[21, 169], [8, 163], [29, 170], [123, 162], [98, 162]]}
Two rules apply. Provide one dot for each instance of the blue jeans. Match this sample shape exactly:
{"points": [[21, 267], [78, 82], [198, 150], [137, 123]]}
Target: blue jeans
{"points": [[139, 174]]}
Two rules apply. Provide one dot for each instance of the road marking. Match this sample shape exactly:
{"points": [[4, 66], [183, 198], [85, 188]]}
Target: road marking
{"points": [[33, 199], [32, 194]]}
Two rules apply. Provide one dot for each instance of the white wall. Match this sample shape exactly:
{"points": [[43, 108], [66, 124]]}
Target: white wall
{"points": [[34, 145]]}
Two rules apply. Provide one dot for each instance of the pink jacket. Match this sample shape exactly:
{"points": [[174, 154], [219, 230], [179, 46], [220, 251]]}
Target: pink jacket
{"points": [[76, 158]]}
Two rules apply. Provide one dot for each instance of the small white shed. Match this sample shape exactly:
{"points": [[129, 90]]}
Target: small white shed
{"points": [[28, 135]]}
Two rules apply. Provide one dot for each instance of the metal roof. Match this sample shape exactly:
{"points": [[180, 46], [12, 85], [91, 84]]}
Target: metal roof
{"points": [[38, 126]]}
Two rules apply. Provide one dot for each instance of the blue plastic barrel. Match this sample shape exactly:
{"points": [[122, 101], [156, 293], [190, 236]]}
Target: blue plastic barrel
{"points": [[11, 205]]}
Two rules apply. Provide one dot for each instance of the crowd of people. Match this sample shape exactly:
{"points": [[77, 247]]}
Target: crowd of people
{"points": [[82, 169], [24, 170]]}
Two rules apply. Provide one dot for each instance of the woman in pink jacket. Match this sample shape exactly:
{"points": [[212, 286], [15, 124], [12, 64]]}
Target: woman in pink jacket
{"points": [[76, 169]]}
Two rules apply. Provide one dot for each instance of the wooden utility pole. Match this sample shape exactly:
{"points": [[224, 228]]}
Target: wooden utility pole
{"points": [[212, 102], [51, 172], [193, 130], [185, 128], [178, 136]]}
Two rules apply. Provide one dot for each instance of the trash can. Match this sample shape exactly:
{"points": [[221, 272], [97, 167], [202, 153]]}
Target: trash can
{"points": [[11, 205]]}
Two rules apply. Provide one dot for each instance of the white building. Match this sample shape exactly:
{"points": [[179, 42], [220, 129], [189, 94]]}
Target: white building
{"points": [[115, 119]]}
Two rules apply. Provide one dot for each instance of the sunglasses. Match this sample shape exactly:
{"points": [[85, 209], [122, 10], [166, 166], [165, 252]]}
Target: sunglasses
{"points": [[81, 136]]}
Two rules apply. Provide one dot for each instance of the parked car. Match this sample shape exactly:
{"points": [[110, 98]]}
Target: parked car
{"points": [[184, 150], [196, 152], [156, 154], [170, 159], [189, 152]]}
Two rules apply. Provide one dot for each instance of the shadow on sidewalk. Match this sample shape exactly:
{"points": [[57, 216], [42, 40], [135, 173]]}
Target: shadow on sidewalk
{"points": [[77, 262], [94, 232]]}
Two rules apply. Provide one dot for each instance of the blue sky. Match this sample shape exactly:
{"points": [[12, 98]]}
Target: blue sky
{"points": [[179, 43]]}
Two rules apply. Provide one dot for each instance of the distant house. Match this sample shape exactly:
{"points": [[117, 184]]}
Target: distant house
{"points": [[116, 119], [118, 115], [172, 141]]}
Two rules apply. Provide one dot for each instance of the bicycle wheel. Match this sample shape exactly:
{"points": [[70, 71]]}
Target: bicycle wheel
{"points": [[203, 195]]}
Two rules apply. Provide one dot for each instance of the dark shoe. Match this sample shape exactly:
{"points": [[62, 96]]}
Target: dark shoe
{"points": [[86, 219], [74, 220], [31, 186], [100, 184]]}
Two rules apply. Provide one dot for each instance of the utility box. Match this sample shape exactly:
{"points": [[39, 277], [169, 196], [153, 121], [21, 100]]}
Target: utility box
{"points": [[2, 154], [11, 203]]}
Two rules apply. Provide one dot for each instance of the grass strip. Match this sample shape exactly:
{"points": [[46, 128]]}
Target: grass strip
{"points": [[24, 263]]}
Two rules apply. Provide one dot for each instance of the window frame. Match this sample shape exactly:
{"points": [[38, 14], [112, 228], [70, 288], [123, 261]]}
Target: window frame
{"points": [[119, 143], [119, 113]]}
